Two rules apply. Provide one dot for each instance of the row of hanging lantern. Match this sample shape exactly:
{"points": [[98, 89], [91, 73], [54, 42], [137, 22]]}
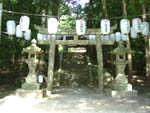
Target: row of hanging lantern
{"points": [[20, 30], [43, 36], [137, 27], [113, 37]]}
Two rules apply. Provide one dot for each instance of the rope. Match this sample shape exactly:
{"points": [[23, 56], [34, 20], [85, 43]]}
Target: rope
{"points": [[40, 15]]}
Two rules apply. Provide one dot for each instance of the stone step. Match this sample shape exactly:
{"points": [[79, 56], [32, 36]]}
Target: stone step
{"points": [[75, 69]]}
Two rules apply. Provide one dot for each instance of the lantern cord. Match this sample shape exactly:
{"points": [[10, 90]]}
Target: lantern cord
{"points": [[29, 14], [39, 15]]}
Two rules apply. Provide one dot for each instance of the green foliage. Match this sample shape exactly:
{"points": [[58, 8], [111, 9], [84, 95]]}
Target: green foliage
{"points": [[66, 22]]}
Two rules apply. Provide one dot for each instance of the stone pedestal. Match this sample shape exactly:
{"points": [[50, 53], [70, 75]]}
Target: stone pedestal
{"points": [[34, 94], [31, 86], [121, 94], [121, 88]]}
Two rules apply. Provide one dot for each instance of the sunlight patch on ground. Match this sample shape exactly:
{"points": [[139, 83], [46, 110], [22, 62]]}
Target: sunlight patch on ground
{"points": [[84, 106], [14, 104], [145, 107]]}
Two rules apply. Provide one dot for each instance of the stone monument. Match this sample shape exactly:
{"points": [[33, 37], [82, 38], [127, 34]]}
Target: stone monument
{"points": [[31, 88], [121, 87]]}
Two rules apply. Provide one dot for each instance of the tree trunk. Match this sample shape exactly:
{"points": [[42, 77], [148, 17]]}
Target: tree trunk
{"points": [[1, 7], [124, 8], [105, 14], [147, 45], [90, 13], [55, 7], [128, 44]]}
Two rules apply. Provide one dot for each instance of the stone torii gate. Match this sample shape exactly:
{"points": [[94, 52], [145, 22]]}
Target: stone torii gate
{"points": [[61, 32]]}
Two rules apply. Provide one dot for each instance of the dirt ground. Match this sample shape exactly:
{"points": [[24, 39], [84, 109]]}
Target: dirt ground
{"points": [[76, 100]]}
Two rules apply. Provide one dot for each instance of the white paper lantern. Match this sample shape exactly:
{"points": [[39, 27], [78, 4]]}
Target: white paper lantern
{"points": [[145, 28], [106, 37], [59, 37], [124, 37], [27, 34], [52, 25], [102, 37], [91, 37], [40, 78], [11, 27], [80, 27], [125, 26], [44, 37], [19, 33], [112, 37], [39, 36], [24, 23], [133, 34], [136, 23], [118, 36], [105, 26], [48, 37]]}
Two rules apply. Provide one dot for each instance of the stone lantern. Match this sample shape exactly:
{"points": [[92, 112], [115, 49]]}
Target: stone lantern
{"points": [[120, 63], [31, 86], [121, 87]]}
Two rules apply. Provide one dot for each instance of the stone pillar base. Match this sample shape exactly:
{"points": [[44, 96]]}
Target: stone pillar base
{"points": [[34, 94], [31, 86], [121, 94], [122, 87]]}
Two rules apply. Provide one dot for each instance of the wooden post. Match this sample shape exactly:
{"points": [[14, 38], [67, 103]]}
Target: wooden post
{"points": [[100, 62], [1, 7], [75, 37], [51, 62]]}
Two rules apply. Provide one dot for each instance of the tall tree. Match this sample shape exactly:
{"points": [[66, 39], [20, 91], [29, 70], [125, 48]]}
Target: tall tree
{"points": [[128, 42], [55, 7], [105, 14], [90, 15], [147, 46]]}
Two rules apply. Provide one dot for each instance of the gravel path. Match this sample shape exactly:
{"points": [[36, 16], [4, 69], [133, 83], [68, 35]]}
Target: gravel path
{"points": [[76, 100], [85, 100]]}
